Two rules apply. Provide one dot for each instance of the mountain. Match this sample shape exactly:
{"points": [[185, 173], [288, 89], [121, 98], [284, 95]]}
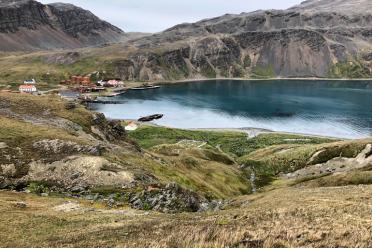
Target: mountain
{"points": [[29, 25], [318, 38], [346, 6]]}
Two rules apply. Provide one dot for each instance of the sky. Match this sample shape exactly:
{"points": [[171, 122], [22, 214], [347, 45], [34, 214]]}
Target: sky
{"points": [[156, 15]]}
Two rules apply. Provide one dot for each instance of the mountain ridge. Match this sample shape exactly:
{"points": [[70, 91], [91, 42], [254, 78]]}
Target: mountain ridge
{"points": [[307, 40], [28, 25], [297, 42]]}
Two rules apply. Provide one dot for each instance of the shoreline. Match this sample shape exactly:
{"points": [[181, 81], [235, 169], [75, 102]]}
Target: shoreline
{"points": [[258, 79], [251, 131], [254, 131]]}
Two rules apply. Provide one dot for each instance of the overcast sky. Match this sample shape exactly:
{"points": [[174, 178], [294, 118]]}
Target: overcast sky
{"points": [[157, 15]]}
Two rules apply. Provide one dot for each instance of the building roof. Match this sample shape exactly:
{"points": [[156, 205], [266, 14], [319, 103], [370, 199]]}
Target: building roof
{"points": [[24, 86]]}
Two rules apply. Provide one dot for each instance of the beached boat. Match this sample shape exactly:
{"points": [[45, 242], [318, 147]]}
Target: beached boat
{"points": [[146, 87], [115, 94], [150, 118]]}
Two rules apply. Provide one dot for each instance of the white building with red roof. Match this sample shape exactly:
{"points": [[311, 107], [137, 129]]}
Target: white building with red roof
{"points": [[27, 88]]}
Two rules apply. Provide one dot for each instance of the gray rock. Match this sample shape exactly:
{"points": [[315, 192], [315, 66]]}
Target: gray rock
{"points": [[53, 26], [20, 205], [304, 41], [169, 199], [77, 189]]}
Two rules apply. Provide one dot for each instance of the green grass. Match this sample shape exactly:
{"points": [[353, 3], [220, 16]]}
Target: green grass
{"points": [[263, 72], [247, 61], [18, 133], [208, 71], [268, 162], [210, 178], [233, 143], [16, 68], [47, 107], [350, 178], [351, 69], [259, 153]]}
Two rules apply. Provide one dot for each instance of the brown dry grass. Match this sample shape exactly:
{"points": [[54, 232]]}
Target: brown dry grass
{"points": [[290, 217]]}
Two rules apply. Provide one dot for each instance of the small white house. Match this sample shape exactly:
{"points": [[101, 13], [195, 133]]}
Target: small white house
{"points": [[115, 83], [131, 126], [102, 83], [30, 81], [27, 89], [111, 83]]}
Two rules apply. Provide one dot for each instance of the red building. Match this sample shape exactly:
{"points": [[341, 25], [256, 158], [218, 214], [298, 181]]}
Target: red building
{"points": [[77, 80]]}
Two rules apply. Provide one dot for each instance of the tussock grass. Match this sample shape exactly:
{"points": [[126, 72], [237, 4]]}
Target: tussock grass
{"points": [[268, 162], [45, 107], [210, 178], [290, 217], [350, 178], [18, 133]]}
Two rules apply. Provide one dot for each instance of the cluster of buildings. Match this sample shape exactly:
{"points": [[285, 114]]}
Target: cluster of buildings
{"points": [[84, 84], [28, 86], [77, 80], [76, 86], [115, 83]]}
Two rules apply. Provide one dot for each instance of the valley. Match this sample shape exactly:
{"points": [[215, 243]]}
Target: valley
{"points": [[244, 130], [76, 175]]}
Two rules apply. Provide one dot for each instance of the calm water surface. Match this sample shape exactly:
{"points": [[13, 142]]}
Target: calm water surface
{"points": [[332, 108]]}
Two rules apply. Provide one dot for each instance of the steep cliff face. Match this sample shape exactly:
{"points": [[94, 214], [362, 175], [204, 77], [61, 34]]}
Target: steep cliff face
{"points": [[314, 39], [30, 25]]}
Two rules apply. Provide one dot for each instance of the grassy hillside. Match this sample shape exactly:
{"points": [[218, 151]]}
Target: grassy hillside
{"points": [[49, 68], [235, 143], [29, 119], [295, 217], [325, 210]]}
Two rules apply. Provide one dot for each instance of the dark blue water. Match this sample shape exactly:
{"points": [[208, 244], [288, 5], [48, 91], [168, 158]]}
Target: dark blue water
{"points": [[332, 108]]}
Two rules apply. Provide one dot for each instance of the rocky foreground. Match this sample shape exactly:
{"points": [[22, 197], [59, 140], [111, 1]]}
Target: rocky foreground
{"points": [[287, 217]]}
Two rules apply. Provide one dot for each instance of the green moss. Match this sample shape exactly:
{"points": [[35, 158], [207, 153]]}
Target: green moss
{"points": [[351, 69], [271, 161], [247, 61], [263, 72], [207, 70], [238, 71], [38, 188]]}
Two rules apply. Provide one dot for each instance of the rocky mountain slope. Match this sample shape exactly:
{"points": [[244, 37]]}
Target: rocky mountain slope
{"points": [[314, 39], [321, 38], [27, 25]]}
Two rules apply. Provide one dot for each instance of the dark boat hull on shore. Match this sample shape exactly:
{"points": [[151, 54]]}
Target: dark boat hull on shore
{"points": [[150, 118], [146, 88]]}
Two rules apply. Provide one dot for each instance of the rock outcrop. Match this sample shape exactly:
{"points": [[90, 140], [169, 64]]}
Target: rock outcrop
{"points": [[315, 39], [29, 25], [172, 198]]}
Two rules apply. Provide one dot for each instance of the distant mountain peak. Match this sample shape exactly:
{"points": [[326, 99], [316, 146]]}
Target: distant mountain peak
{"points": [[31, 25], [350, 6]]}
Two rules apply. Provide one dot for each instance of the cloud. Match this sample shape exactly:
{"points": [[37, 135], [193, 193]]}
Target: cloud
{"points": [[157, 15]]}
